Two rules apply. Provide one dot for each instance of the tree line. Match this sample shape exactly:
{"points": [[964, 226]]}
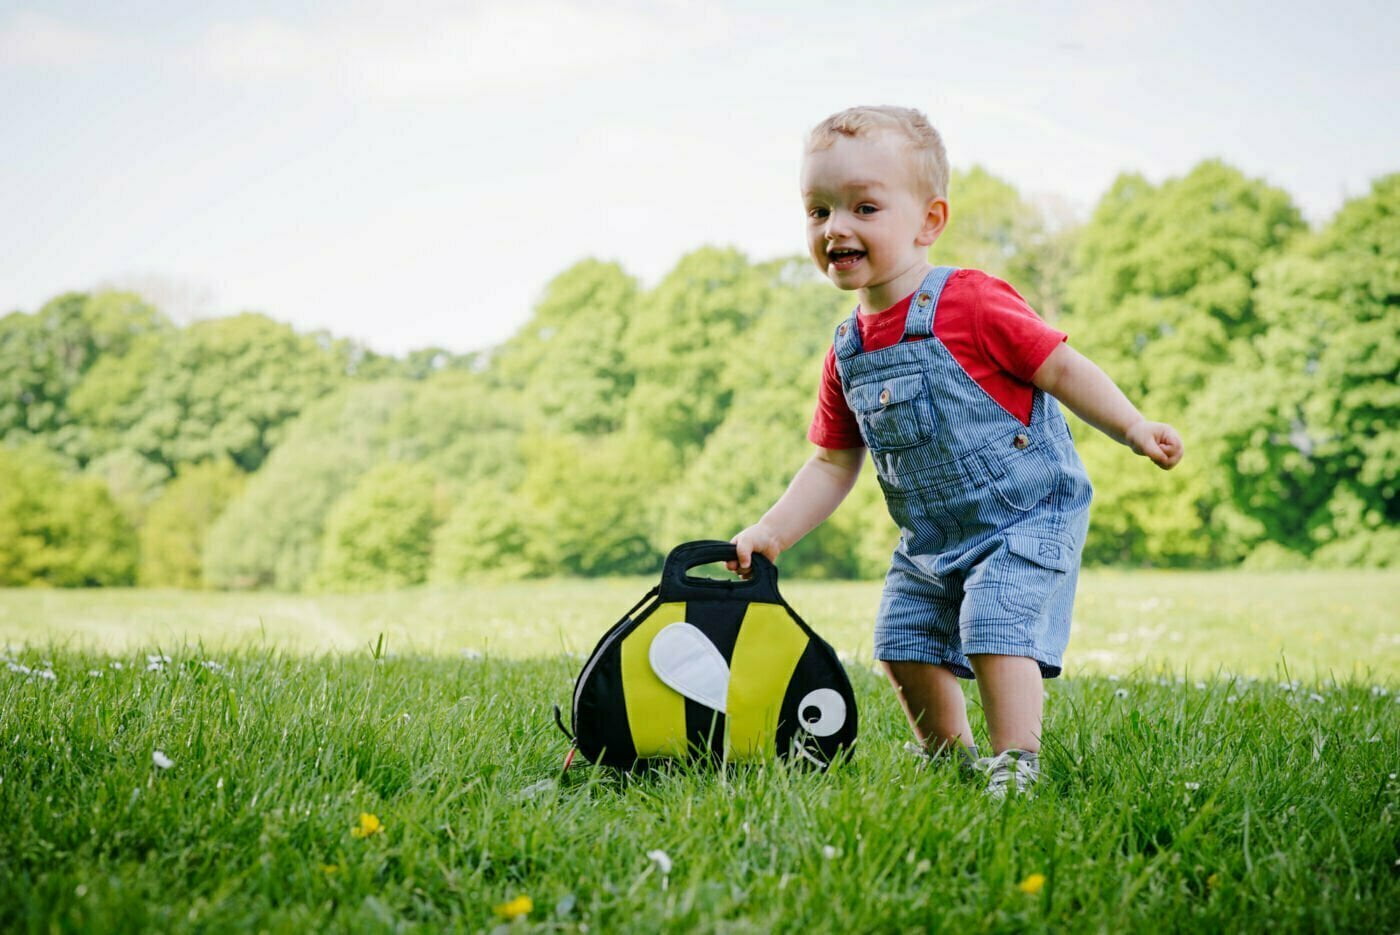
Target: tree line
{"points": [[240, 453]]}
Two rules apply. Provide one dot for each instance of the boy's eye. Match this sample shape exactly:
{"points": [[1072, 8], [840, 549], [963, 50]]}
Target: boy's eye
{"points": [[866, 209], [816, 212]]}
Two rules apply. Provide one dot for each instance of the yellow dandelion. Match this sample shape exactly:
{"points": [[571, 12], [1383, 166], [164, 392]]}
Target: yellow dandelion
{"points": [[519, 906], [1032, 884], [1212, 881], [328, 869], [369, 824]]}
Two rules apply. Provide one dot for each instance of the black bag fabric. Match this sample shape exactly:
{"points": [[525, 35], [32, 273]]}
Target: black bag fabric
{"points": [[706, 667]]}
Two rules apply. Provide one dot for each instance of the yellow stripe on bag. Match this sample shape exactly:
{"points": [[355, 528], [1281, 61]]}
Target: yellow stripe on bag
{"points": [[765, 656], [655, 711]]}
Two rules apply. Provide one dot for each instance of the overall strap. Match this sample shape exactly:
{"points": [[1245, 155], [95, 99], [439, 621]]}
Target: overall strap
{"points": [[921, 307], [847, 340]]}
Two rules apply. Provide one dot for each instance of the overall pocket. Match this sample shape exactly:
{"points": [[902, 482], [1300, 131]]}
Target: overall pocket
{"points": [[1033, 568], [1020, 478], [893, 413]]}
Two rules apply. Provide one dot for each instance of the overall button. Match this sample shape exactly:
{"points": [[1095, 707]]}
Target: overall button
{"points": [[842, 330], [924, 298], [1021, 440], [884, 397]]}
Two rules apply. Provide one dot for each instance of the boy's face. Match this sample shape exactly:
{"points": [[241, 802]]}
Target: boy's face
{"points": [[868, 224]]}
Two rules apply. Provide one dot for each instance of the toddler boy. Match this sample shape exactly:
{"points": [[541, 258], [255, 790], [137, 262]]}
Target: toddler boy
{"points": [[950, 380]]}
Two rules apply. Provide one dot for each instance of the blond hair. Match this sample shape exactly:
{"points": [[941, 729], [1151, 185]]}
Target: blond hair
{"points": [[930, 158]]}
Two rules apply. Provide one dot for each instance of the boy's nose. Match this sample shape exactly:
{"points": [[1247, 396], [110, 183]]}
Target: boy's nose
{"points": [[835, 227]]}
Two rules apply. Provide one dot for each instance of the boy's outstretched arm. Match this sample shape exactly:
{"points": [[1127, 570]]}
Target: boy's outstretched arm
{"points": [[1077, 381], [817, 489]]}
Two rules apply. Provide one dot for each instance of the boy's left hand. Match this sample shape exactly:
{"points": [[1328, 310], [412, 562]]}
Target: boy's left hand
{"points": [[1156, 440]]}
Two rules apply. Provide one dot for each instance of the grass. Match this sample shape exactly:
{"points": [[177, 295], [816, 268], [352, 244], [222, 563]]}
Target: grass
{"points": [[1179, 796], [1319, 624]]}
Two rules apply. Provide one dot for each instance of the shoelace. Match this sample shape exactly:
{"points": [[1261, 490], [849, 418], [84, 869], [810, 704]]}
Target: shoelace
{"points": [[965, 760], [1007, 766]]}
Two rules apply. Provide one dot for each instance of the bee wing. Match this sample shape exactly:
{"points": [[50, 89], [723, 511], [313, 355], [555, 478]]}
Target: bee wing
{"points": [[686, 660]]}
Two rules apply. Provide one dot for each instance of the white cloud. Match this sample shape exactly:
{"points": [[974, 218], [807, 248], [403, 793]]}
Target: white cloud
{"points": [[34, 39], [449, 54]]}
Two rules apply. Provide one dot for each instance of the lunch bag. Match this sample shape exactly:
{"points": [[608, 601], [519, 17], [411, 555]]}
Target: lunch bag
{"points": [[719, 668]]}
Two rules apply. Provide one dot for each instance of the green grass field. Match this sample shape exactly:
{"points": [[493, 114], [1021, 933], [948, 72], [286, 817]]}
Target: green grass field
{"points": [[1222, 755]]}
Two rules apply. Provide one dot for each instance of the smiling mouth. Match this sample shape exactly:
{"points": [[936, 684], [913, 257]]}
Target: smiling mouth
{"points": [[844, 258]]}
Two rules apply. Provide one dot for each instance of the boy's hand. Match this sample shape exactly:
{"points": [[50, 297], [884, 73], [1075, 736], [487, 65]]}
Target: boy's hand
{"points": [[1156, 440], [757, 538]]}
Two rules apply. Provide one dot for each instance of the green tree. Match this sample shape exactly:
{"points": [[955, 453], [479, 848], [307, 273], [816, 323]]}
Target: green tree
{"points": [[1162, 300], [223, 388], [172, 538], [1307, 439], [1165, 276], [588, 504], [453, 422], [133, 481], [482, 537], [571, 360], [44, 357], [271, 535], [678, 341], [379, 534], [991, 227], [58, 528]]}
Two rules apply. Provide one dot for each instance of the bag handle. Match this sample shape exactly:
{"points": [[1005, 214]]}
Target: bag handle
{"points": [[677, 585]]}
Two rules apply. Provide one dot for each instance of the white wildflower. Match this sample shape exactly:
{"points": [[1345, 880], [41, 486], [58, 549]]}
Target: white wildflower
{"points": [[829, 852], [18, 668], [158, 657], [1121, 693], [212, 666], [661, 859], [1232, 699], [96, 673], [161, 760], [1200, 686], [1193, 786], [117, 665], [46, 674], [155, 667], [1315, 697], [1113, 678], [1378, 691]]}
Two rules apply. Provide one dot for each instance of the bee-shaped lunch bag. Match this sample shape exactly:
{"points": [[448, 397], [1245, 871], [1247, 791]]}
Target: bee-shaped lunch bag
{"points": [[723, 668]]}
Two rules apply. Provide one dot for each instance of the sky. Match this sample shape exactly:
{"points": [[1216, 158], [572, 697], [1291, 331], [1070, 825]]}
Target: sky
{"points": [[414, 174]]}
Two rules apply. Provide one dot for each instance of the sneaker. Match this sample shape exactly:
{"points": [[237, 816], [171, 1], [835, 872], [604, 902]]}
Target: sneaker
{"points": [[1008, 771], [966, 758]]}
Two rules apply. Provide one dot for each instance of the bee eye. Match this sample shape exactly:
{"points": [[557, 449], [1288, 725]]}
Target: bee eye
{"points": [[822, 712]]}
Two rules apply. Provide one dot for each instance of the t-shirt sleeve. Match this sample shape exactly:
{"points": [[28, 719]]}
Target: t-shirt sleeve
{"points": [[1012, 335], [833, 424]]}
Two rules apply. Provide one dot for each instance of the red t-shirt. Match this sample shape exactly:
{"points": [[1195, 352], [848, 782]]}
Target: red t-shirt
{"points": [[984, 323]]}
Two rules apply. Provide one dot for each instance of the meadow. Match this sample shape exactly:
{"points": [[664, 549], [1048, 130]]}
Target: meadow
{"points": [[1221, 755]]}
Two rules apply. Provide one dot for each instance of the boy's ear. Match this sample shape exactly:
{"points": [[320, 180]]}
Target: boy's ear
{"points": [[935, 219]]}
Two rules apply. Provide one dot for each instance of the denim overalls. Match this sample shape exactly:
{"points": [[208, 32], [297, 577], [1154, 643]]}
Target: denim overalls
{"points": [[992, 513]]}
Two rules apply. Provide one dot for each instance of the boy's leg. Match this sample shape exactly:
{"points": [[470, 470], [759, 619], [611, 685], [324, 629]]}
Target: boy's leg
{"points": [[933, 701], [1013, 699]]}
